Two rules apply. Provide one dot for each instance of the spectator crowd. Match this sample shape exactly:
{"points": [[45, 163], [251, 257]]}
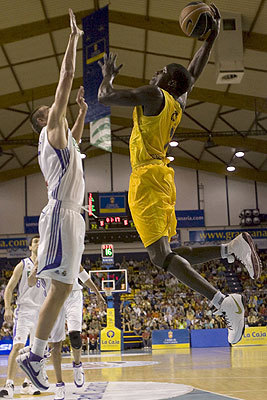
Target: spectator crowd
{"points": [[156, 300]]}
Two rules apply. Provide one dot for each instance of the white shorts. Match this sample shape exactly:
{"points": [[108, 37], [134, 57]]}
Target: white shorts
{"points": [[72, 313], [24, 324], [62, 230]]}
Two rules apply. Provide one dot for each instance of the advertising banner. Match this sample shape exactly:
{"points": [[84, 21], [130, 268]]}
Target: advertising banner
{"points": [[95, 45], [111, 337], [190, 218], [13, 243], [170, 339], [224, 235], [253, 336]]}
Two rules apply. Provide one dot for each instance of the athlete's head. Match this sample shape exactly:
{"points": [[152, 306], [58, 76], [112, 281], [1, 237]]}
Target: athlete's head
{"points": [[34, 243], [174, 78], [39, 117]]}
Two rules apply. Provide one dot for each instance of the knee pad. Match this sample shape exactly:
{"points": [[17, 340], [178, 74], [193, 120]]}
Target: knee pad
{"points": [[75, 339], [168, 260]]}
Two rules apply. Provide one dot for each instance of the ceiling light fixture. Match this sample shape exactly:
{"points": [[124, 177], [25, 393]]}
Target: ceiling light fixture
{"points": [[171, 158], [83, 155], [173, 143], [230, 168], [239, 154]]}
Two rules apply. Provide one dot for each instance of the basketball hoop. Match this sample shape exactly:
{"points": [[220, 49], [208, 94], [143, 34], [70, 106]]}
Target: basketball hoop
{"points": [[108, 291]]}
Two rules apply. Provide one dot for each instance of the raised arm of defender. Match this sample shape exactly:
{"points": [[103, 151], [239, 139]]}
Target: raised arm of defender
{"points": [[57, 125]]}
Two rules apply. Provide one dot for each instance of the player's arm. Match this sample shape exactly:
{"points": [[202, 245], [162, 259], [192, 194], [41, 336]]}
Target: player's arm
{"points": [[78, 127], [12, 283], [85, 278], [201, 57], [56, 118], [149, 95]]}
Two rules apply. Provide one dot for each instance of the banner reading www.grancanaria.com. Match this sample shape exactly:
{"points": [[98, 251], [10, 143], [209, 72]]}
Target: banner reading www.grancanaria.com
{"points": [[224, 235]]}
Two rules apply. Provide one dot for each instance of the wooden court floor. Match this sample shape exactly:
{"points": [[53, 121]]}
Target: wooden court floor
{"points": [[231, 373]]}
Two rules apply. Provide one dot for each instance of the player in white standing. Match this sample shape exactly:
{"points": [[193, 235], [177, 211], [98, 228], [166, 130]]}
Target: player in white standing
{"points": [[61, 225], [29, 301], [72, 313]]}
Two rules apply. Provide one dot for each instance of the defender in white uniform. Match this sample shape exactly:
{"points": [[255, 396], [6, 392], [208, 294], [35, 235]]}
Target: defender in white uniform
{"points": [[29, 301], [61, 226], [72, 313]]}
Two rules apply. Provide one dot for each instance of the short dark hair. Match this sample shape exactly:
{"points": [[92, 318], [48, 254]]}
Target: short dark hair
{"points": [[182, 77], [35, 114], [34, 237]]}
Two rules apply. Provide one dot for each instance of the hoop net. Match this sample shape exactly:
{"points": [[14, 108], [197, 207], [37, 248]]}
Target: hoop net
{"points": [[108, 291]]}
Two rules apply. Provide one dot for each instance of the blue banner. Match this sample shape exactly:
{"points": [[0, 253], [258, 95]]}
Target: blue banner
{"points": [[95, 45], [209, 338], [170, 338], [225, 235], [111, 204], [5, 346], [190, 218], [31, 224]]}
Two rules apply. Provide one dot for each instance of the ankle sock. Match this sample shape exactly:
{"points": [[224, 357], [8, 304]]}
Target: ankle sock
{"points": [[10, 382], [218, 299], [38, 347]]}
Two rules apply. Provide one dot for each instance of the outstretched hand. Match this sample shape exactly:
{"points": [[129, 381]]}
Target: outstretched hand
{"points": [[80, 99], [73, 25], [108, 67], [216, 21]]}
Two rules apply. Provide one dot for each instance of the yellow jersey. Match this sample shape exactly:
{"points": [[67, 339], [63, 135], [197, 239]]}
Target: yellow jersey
{"points": [[152, 193], [151, 135]]}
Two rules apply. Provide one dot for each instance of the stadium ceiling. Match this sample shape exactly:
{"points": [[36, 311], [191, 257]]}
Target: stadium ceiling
{"points": [[219, 119]]}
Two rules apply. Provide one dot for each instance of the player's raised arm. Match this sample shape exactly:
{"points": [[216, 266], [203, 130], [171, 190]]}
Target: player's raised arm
{"points": [[201, 57], [78, 127], [144, 95], [12, 283], [56, 118]]}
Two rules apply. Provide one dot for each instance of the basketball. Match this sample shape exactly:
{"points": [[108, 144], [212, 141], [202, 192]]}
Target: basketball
{"points": [[196, 19]]}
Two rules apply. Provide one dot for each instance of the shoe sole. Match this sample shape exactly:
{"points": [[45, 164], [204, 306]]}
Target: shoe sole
{"points": [[243, 330], [255, 259], [31, 377]]}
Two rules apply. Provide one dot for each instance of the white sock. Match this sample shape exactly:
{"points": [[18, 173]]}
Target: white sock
{"points": [[39, 346], [224, 250], [218, 299], [9, 381]]}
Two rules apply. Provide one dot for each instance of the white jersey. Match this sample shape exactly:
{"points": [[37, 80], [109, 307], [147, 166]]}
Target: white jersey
{"points": [[62, 169], [76, 285], [30, 297]]}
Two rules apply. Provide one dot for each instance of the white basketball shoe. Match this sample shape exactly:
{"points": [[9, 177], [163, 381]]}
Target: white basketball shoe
{"points": [[232, 309], [34, 368], [243, 248], [8, 391], [78, 374], [28, 388], [60, 391]]}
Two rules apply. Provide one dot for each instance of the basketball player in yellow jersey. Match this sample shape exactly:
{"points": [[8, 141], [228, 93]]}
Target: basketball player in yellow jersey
{"points": [[157, 113]]}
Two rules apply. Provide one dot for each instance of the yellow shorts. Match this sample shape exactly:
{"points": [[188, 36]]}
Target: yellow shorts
{"points": [[152, 197]]}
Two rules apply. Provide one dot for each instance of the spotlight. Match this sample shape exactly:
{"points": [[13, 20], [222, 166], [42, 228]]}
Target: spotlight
{"points": [[239, 154], [83, 155], [173, 143], [171, 158], [250, 216], [230, 168]]}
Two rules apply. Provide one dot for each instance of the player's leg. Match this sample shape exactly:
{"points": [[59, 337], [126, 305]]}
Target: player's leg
{"points": [[161, 255], [56, 359], [33, 363], [74, 308], [241, 248]]}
